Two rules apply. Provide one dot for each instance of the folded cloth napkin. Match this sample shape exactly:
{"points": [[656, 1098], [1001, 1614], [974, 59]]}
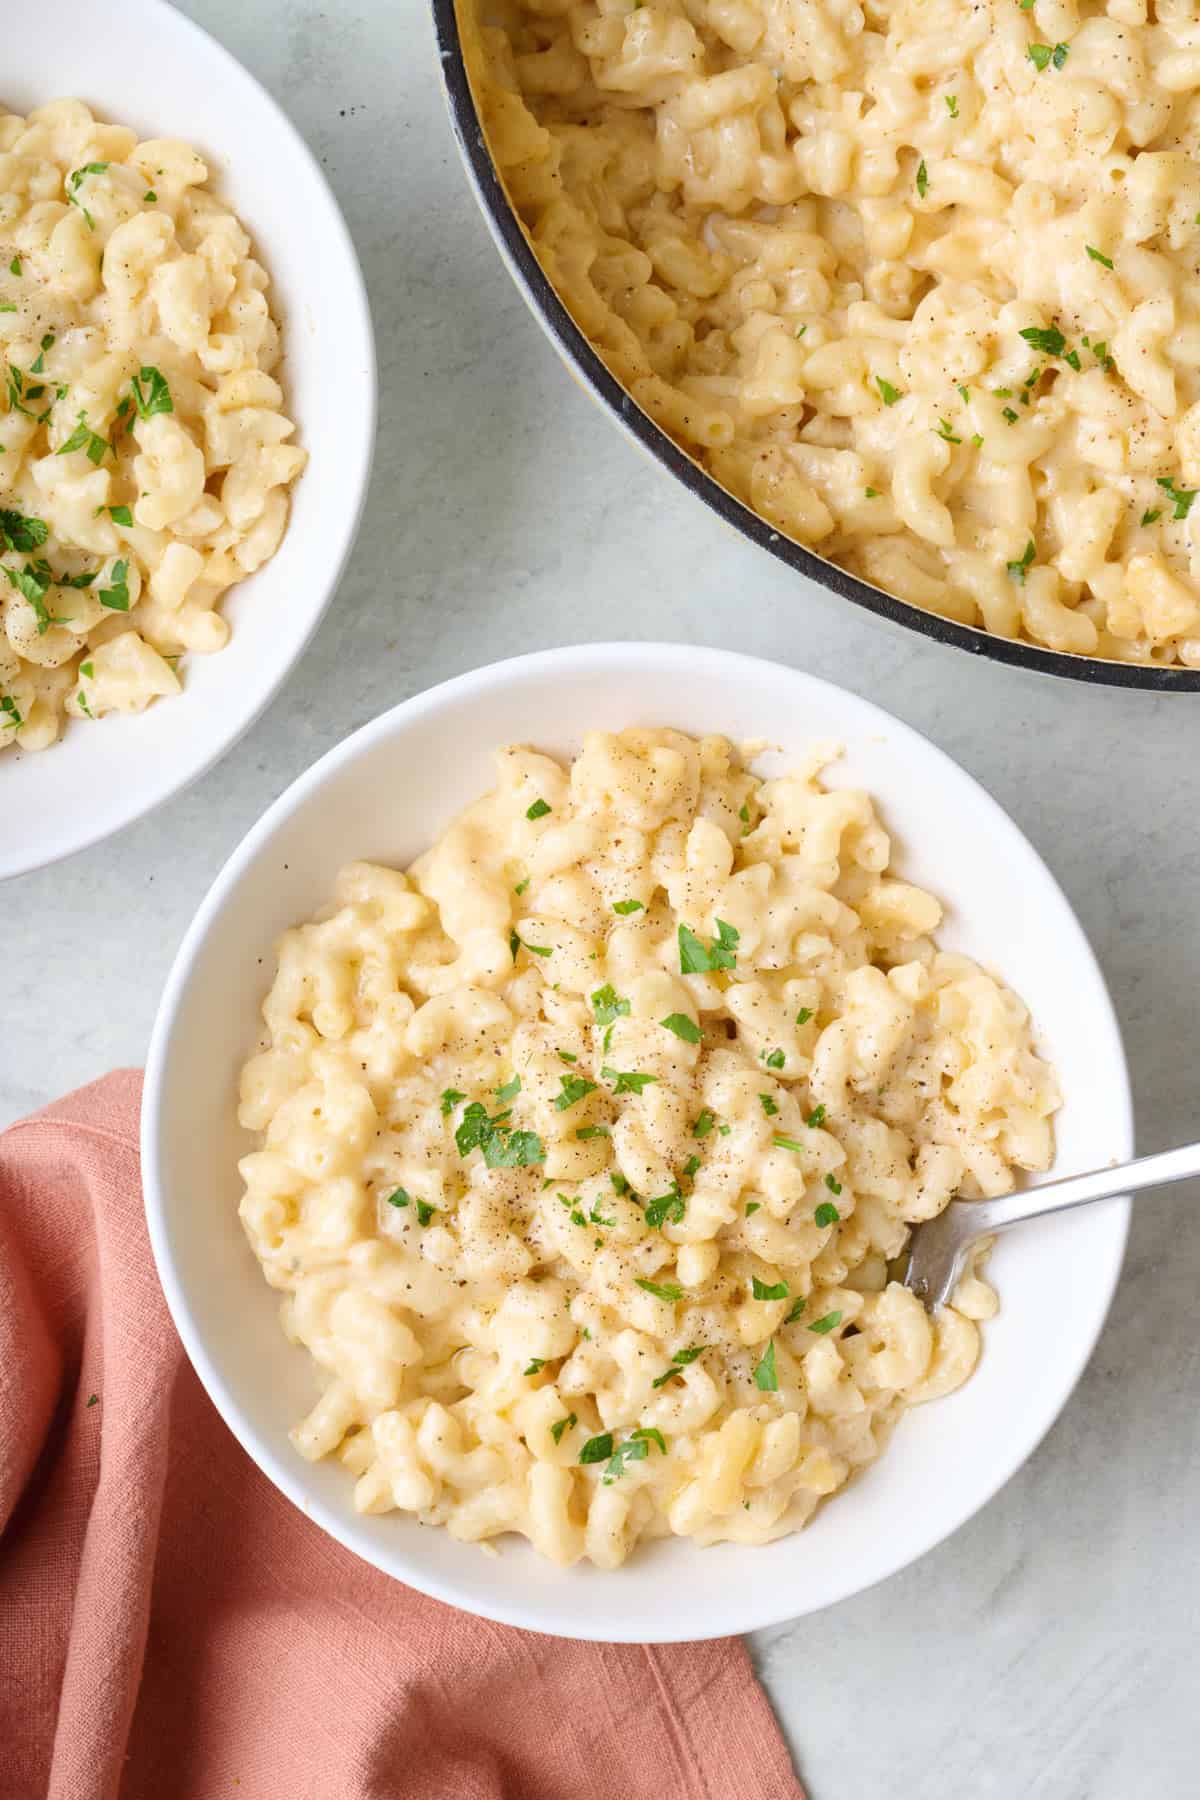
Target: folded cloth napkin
{"points": [[170, 1626]]}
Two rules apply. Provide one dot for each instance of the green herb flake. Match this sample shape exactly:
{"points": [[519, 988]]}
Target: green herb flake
{"points": [[1148, 518], [623, 908], [826, 1214], [450, 1099], [662, 1290], [887, 393], [797, 1308], [586, 1132], [157, 395], [691, 1167], [683, 1027], [574, 1089], [120, 515], [84, 438], [786, 1143], [753, 1207], [425, 1212], [946, 432], [1017, 569], [922, 179], [1010, 415], [509, 1091], [18, 532], [534, 1366], [561, 1425], [761, 1290], [1182, 497], [565, 1056], [694, 959], [74, 183], [1039, 55], [399, 1197], [608, 1006], [952, 105], [538, 810], [668, 1209], [765, 1377], [829, 1323], [768, 1105], [871, 493], [1048, 340], [627, 1081], [816, 1118], [704, 1124], [1098, 256], [832, 1183], [804, 1015], [116, 597], [149, 198], [14, 267], [597, 1449]]}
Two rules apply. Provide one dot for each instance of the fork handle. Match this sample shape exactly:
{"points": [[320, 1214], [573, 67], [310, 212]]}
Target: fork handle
{"points": [[1078, 1190]]}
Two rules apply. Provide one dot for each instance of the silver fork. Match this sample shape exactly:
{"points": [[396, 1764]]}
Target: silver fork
{"points": [[937, 1250]]}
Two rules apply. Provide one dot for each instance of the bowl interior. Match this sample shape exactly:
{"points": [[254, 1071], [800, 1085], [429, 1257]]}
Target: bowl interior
{"points": [[383, 795], [97, 779]]}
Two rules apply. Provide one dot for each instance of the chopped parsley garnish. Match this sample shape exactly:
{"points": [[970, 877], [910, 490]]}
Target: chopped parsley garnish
{"points": [[574, 1088], [38, 365], [450, 1099], [521, 886], [804, 1015], [691, 1166], [829, 1323], [704, 1124], [678, 1362], [585, 1132], [33, 583], [1048, 340], [826, 1214], [952, 105], [502, 1147], [1098, 256], [18, 532], [694, 959], [871, 493], [815, 1118], [84, 438], [765, 1378], [662, 1290], [609, 1006], [116, 597], [786, 1143], [533, 949], [945, 430], [1182, 497], [625, 907], [12, 720], [561, 1425], [157, 397], [75, 181], [1148, 518], [683, 1027], [1017, 569], [565, 1056], [762, 1291], [1042, 55], [754, 1206], [768, 1105], [832, 1183], [14, 267], [620, 1185], [635, 1449], [534, 1366], [668, 1209], [120, 515], [922, 178], [399, 1197], [775, 1060], [887, 393], [628, 1081], [597, 1449], [7, 306], [425, 1212], [538, 810], [509, 1091], [795, 1310], [1010, 415]]}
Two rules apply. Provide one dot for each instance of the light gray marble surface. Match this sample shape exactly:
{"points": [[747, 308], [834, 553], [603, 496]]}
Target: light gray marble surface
{"points": [[1046, 1651]]}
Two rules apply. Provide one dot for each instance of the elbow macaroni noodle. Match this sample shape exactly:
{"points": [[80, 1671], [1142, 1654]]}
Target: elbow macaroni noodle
{"points": [[586, 1146], [917, 283], [144, 466]]}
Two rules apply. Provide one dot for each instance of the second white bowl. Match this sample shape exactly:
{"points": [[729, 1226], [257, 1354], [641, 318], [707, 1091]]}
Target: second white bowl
{"points": [[384, 795], [102, 776]]}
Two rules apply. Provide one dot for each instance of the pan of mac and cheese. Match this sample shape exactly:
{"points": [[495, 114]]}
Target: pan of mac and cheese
{"points": [[907, 294]]}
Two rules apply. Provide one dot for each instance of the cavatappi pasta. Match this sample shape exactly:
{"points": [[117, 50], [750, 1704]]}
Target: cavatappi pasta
{"points": [[144, 465], [918, 282], [586, 1144]]}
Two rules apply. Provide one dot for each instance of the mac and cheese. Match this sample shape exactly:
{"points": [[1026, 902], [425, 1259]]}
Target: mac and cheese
{"points": [[586, 1146], [144, 465], [917, 281]]}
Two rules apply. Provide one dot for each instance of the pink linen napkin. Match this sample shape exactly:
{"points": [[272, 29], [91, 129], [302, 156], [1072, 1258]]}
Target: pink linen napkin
{"points": [[171, 1627]]}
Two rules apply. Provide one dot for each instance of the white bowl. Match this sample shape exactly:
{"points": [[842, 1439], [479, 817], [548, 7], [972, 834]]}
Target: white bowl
{"points": [[141, 63], [384, 794]]}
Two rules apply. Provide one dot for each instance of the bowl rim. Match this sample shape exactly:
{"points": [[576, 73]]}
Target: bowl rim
{"points": [[615, 657], [357, 452], [575, 349]]}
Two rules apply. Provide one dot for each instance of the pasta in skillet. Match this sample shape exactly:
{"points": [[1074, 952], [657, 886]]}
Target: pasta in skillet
{"points": [[918, 282], [144, 467], [585, 1147]]}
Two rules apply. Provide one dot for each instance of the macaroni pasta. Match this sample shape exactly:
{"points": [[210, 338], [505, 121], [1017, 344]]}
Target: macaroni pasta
{"points": [[917, 281], [144, 465], [586, 1146]]}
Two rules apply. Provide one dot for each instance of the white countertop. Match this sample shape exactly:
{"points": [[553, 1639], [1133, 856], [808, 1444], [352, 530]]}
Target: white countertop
{"points": [[1046, 1651]]}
